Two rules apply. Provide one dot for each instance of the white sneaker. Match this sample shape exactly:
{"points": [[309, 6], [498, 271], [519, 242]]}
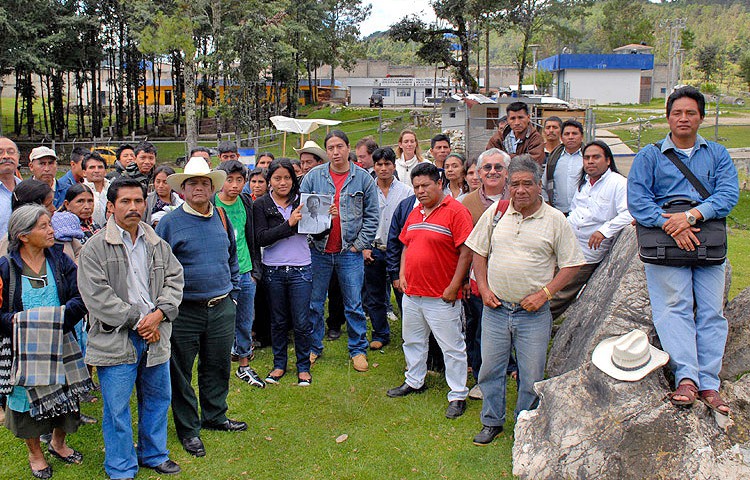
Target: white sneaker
{"points": [[392, 317], [475, 393], [247, 374]]}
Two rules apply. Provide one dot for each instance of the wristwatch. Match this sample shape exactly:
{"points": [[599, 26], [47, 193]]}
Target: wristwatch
{"points": [[691, 218]]}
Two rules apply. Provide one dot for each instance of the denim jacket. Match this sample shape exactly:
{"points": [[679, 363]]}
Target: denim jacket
{"points": [[359, 210]]}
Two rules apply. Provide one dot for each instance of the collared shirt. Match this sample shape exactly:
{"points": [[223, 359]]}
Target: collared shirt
{"points": [[567, 174], [654, 180], [523, 252], [5, 201], [396, 192], [511, 142], [138, 274], [100, 201], [192, 211], [601, 207]]}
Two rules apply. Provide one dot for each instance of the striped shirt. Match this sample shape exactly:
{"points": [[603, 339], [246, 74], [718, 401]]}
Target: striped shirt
{"points": [[433, 247], [523, 252]]}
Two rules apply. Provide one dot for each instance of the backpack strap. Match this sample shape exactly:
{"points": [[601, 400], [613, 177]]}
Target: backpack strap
{"points": [[11, 282], [502, 207], [223, 217]]}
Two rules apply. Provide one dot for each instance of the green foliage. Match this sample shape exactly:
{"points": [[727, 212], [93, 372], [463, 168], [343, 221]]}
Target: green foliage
{"points": [[626, 22], [709, 60], [711, 88], [744, 72]]}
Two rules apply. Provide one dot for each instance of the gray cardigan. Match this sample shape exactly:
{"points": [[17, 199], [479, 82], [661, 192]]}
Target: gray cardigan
{"points": [[103, 283]]}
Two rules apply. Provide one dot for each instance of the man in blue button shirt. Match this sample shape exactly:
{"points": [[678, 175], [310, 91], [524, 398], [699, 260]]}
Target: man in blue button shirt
{"points": [[686, 302]]}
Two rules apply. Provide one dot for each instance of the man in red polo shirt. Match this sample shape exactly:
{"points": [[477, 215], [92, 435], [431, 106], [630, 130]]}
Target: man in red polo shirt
{"points": [[434, 263]]}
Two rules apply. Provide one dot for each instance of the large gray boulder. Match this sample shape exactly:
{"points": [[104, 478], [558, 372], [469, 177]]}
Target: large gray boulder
{"points": [[737, 352], [589, 425]]}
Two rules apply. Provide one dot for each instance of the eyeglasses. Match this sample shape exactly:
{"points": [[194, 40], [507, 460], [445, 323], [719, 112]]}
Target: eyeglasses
{"points": [[9, 151], [488, 167], [36, 282]]}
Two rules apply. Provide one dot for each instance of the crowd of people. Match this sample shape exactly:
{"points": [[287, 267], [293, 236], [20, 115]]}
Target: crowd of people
{"points": [[138, 272]]}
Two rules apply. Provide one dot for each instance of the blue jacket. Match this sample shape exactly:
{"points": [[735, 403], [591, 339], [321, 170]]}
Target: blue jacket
{"points": [[359, 209], [654, 180], [65, 273], [63, 184], [395, 247]]}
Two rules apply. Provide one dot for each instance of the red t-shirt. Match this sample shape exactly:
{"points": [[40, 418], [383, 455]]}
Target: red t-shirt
{"points": [[433, 247], [334, 238]]}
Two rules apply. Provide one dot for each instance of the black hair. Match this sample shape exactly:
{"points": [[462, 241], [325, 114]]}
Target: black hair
{"points": [[517, 107], [121, 149], [607, 154], [78, 154], [338, 134], [440, 137], [266, 154], [555, 119], [352, 156], [233, 166], [95, 157], [287, 164], [426, 169], [163, 168], [689, 92], [29, 191], [227, 147], [146, 147], [200, 149], [368, 142], [76, 190], [123, 182], [385, 153], [572, 123], [257, 171]]}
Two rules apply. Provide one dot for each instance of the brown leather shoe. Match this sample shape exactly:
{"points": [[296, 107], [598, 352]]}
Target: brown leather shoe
{"points": [[360, 363]]}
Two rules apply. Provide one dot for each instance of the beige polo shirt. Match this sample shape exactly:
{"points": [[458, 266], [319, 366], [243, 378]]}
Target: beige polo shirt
{"points": [[524, 251]]}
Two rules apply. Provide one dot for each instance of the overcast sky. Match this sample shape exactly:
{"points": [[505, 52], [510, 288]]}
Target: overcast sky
{"points": [[387, 12]]}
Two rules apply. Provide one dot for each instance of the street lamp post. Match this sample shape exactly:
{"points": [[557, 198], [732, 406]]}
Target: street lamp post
{"points": [[534, 48]]}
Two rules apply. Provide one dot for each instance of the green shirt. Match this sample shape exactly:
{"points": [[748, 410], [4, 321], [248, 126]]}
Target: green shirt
{"points": [[238, 216]]}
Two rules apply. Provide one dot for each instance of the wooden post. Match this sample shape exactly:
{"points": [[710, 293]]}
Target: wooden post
{"points": [[283, 147]]}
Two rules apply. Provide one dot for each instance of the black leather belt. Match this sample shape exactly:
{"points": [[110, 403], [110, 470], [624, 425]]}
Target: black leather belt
{"points": [[211, 302]]}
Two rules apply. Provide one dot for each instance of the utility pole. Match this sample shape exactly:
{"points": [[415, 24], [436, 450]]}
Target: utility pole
{"points": [[674, 58]]}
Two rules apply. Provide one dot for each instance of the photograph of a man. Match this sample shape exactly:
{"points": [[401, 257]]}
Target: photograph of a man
{"points": [[315, 215]]}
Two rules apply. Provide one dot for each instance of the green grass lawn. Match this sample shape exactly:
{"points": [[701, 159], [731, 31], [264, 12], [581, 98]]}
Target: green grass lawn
{"points": [[729, 136], [293, 429]]}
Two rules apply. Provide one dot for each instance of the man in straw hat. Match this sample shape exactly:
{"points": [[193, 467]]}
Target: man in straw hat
{"points": [[310, 155], [202, 239]]}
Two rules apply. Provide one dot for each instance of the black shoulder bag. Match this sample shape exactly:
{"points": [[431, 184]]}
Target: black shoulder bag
{"points": [[655, 246]]}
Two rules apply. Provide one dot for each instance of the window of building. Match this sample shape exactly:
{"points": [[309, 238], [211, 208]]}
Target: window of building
{"points": [[490, 122], [403, 92], [452, 112], [386, 92]]}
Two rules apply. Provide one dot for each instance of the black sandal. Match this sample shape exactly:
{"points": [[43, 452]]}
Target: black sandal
{"points": [[274, 379], [43, 473], [304, 382], [75, 458]]}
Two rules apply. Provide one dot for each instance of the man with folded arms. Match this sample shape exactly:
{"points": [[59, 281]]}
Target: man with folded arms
{"points": [[514, 263], [202, 239], [132, 285]]}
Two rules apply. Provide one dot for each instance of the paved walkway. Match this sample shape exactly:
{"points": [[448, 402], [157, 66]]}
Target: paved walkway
{"points": [[623, 154]]}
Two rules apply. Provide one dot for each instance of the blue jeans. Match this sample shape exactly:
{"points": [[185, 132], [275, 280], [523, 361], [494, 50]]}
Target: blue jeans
{"points": [[349, 267], [687, 306], [377, 297], [154, 394], [503, 328], [289, 290], [243, 336]]}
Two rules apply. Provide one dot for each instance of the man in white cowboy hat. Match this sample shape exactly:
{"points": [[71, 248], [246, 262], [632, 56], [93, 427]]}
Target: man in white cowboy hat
{"points": [[43, 167], [628, 357], [310, 155], [202, 239]]}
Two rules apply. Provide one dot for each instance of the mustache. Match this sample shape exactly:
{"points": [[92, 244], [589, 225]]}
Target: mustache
{"points": [[133, 214], [7, 160]]}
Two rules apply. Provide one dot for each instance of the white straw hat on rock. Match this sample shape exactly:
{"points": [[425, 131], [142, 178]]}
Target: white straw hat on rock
{"points": [[628, 357], [197, 167]]}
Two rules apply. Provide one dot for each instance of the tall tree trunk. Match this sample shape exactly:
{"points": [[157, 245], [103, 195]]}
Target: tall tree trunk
{"points": [[57, 116], [29, 105], [45, 105], [16, 116], [522, 60], [191, 134], [157, 96], [487, 60]]}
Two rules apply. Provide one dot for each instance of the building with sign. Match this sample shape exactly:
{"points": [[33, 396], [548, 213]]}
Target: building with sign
{"points": [[396, 91]]}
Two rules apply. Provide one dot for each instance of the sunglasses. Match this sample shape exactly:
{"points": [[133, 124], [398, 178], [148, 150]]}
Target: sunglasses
{"points": [[488, 167]]}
